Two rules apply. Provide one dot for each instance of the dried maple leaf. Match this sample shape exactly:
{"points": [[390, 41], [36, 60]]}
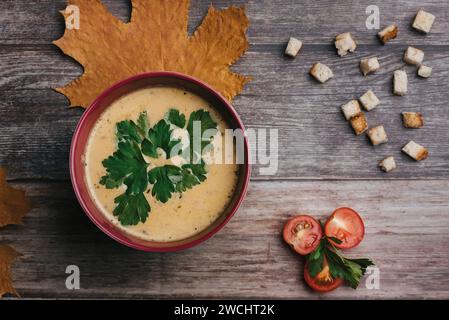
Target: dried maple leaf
{"points": [[7, 257], [155, 39], [13, 203]]}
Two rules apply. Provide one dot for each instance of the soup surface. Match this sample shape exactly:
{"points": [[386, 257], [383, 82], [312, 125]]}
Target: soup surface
{"points": [[185, 214]]}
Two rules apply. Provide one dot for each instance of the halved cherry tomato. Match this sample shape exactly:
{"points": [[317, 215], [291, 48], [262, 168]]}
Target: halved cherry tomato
{"points": [[323, 282], [303, 233], [346, 225]]}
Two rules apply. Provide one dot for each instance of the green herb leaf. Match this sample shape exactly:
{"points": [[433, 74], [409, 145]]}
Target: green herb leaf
{"points": [[149, 149], [177, 118], [143, 124], [128, 131], [350, 270], [206, 123], [198, 170], [160, 136], [163, 181], [191, 175], [126, 166], [131, 209], [315, 260]]}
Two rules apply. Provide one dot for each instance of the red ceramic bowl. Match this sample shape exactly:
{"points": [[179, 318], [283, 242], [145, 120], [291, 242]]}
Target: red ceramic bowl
{"points": [[88, 121]]}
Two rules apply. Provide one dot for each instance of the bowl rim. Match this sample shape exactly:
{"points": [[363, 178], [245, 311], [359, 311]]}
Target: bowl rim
{"points": [[114, 232]]}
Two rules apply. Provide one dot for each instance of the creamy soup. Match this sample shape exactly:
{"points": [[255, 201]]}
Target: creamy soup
{"points": [[185, 214]]}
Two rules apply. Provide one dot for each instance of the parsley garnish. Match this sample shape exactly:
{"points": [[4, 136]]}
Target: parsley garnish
{"points": [[206, 123], [160, 137], [176, 118], [163, 181], [127, 166], [350, 270]]}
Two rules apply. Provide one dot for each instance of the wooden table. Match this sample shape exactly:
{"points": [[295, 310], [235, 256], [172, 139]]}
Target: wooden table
{"points": [[322, 164]]}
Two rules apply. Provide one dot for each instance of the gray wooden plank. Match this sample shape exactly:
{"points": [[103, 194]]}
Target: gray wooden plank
{"points": [[38, 21], [314, 140], [407, 234]]}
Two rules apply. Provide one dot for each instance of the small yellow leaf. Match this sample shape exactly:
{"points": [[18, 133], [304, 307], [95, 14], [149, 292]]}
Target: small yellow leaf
{"points": [[13, 203], [7, 257]]}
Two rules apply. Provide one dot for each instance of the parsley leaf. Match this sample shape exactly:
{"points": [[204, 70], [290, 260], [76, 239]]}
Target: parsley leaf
{"points": [[169, 179], [143, 124], [160, 137], [127, 166], [162, 180], [315, 260], [191, 175], [177, 118], [350, 270], [128, 130], [206, 123], [149, 149], [131, 209]]}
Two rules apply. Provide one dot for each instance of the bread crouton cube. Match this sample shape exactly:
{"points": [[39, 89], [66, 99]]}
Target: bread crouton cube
{"points": [[345, 43], [415, 151], [377, 135], [412, 120], [389, 33], [400, 82], [359, 123], [321, 72], [424, 71], [423, 21], [369, 65], [293, 47], [369, 100], [413, 56], [388, 164], [351, 109]]}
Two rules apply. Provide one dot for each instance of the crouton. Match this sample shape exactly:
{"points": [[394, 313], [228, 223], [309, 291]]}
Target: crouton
{"points": [[413, 56], [369, 100], [423, 21], [345, 43], [388, 164], [424, 71], [412, 120], [377, 135], [293, 47], [359, 123], [351, 109], [369, 65], [321, 72], [389, 33], [400, 82], [415, 151]]}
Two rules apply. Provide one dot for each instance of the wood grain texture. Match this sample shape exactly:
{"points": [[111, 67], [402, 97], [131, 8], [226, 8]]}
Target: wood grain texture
{"points": [[246, 257], [38, 21], [315, 142], [322, 165]]}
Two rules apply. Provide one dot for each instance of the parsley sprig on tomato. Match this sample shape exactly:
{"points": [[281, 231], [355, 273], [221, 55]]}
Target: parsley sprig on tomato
{"points": [[327, 261], [326, 268]]}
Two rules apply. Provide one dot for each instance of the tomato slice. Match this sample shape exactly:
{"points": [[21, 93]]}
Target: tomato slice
{"points": [[323, 282], [346, 225], [303, 233]]}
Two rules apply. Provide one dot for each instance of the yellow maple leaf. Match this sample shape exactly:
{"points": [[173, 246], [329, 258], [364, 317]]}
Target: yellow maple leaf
{"points": [[13, 202], [7, 256], [13, 206], [155, 39]]}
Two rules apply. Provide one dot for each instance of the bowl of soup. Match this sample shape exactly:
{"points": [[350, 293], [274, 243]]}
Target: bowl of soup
{"points": [[159, 161]]}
